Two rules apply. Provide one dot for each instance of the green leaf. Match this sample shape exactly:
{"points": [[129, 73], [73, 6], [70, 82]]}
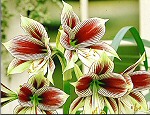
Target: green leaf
{"points": [[58, 45], [120, 35], [146, 42], [77, 71], [66, 88], [67, 75]]}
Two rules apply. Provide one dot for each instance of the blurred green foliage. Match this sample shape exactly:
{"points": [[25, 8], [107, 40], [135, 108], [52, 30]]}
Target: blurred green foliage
{"points": [[6, 15]]}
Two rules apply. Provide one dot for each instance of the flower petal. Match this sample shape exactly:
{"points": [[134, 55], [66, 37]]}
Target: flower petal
{"points": [[141, 80], [131, 68], [38, 81], [126, 105], [114, 85], [71, 58], [89, 31], [104, 46], [52, 98], [97, 103], [30, 110], [103, 65], [20, 109], [87, 109], [7, 95], [34, 28], [65, 40], [25, 47], [49, 112], [87, 56], [129, 83], [18, 66], [96, 67], [38, 65], [76, 104], [112, 105], [26, 91], [138, 101], [51, 68], [68, 17], [83, 86]]}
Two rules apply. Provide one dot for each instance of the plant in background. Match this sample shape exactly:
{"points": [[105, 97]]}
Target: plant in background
{"points": [[99, 91], [6, 16]]}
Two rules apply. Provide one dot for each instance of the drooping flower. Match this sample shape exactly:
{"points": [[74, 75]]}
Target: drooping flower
{"points": [[78, 37], [133, 100], [99, 83], [36, 96], [32, 50]]}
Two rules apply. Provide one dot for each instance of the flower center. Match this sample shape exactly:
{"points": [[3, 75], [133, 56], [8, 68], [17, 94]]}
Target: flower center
{"points": [[35, 100], [95, 84], [73, 43]]}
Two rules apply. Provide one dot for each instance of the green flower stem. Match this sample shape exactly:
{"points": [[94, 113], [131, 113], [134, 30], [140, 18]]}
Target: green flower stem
{"points": [[67, 89], [66, 85]]}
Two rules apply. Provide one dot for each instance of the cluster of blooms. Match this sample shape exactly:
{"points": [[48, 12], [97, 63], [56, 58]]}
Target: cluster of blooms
{"points": [[98, 89]]}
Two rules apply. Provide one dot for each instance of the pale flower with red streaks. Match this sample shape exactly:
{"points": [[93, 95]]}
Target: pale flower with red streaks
{"points": [[31, 51]]}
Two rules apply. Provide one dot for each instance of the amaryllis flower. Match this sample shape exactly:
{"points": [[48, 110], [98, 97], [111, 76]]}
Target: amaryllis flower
{"points": [[36, 96], [79, 36], [134, 101], [32, 50], [100, 82]]}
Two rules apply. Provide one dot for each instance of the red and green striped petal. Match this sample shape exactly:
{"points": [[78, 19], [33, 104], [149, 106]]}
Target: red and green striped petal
{"points": [[76, 105], [18, 66], [68, 55], [7, 95], [112, 105], [96, 67], [89, 31], [102, 66], [26, 91], [38, 81], [52, 98], [25, 47], [138, 101], [104, 46], [83, 86], [113, 85], [65, 40], [131, 68], [141, 80], [129, 83], [34, 28], [68, 17], [21, 109]]}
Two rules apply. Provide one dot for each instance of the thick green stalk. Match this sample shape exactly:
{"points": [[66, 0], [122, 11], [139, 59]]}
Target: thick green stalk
{"points": [[67, 89], [66, 84]]}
